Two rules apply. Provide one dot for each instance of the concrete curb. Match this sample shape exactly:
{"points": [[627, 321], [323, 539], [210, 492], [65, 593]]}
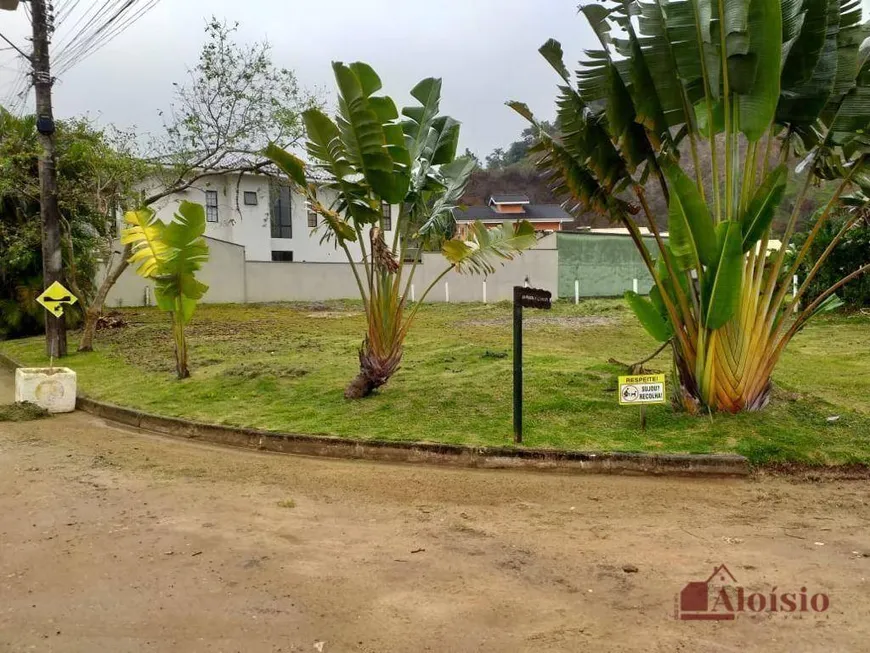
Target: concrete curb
{"points": [[420, 452]]}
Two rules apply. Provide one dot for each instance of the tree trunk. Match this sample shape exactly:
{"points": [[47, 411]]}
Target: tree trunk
{"points": [[374, 371], [93, 312], [689, 396], [359, 388], [181, 367]]}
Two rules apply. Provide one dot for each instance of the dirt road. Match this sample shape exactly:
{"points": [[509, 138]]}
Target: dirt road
{"points": [[117, 541]]}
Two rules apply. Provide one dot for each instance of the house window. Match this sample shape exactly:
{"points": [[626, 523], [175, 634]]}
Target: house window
{"points": [[282, 224], [312, 219], [388, 216], [282, 257], [250, 198], [211, 206]]}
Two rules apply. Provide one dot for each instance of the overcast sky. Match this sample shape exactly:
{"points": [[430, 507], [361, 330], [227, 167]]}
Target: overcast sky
{"points": [[485, 50]]}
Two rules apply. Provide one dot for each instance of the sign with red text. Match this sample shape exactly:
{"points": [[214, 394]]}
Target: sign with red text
{"points": [[722, 598]]}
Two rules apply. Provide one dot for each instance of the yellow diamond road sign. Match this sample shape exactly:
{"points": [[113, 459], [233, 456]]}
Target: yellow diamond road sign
{"points": [[641, 389], [55, 297]]}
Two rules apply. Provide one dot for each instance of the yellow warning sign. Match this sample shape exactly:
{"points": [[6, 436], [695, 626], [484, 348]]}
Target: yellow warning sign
{"points": [[641, 389], [55, 297]]}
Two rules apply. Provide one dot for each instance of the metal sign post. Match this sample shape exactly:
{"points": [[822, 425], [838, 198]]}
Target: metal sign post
{"points": [[530, 298]]}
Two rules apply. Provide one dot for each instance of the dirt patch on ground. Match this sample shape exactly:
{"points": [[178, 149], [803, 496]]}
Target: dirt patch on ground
{"points": [[565, 322], [264, 369], [119, 541], [333, 315]]}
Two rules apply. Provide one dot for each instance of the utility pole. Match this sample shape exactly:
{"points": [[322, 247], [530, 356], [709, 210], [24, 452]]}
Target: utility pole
{"points": [[52, 257]]}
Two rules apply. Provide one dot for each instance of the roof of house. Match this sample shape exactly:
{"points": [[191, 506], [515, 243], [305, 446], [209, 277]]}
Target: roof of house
{"points": [[532, 213], [506, 198]]}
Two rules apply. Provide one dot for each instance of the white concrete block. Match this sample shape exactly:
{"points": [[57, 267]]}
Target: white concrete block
{"points": [[53, 389]]}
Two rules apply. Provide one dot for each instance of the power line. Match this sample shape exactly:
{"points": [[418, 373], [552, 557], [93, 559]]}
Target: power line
{"points": [[93, 27], [65, 11], [112, 33], [16, 97], [15, 47], [102, 24], [79, 45], [78, 28]]}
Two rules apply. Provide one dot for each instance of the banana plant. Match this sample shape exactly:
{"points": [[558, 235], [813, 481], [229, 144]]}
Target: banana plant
{"points": [[170, 255], [775, 91], [370, 156]]}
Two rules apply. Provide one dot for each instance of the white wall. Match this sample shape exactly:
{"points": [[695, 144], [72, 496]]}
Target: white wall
{"points": [[223, 273], [233, 280], [281, 282], [538, 265]]}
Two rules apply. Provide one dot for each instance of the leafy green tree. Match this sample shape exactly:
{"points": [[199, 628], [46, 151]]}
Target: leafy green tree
{"points": [[495, 159], [235, 102], [369, 157], [96, 172], [518, 151], [170, 255], [739, 76]]}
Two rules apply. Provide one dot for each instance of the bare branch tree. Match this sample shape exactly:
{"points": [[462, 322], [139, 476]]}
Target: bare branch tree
{"points": [[235, 102]]}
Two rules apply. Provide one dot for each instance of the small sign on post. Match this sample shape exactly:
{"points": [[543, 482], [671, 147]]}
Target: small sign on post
{"points": [[642, 390], [54, 298], [530, 298]]}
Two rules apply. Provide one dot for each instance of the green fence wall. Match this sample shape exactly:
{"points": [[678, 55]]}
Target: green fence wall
{"points": [[605, 265]]}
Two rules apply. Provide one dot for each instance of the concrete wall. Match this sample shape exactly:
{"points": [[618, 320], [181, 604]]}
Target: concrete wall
{"points": [[539, 266], [282, 282], [231, 279], [224, 273], [605, 265]]}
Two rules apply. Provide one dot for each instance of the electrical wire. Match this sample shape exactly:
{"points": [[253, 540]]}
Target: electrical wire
{"points": [[19, 85], [112, 33], [91, 27], [15, 47], [84, 21], [100, 27], [64, 12], [16, 99], [91, 31]]}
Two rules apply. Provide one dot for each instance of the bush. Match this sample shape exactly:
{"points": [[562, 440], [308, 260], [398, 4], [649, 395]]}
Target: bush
{"points": [[852, 252], [92, 176]]}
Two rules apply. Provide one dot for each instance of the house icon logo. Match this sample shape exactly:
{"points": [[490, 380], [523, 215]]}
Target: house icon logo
{"points": [[693, 602], [720, 598]]}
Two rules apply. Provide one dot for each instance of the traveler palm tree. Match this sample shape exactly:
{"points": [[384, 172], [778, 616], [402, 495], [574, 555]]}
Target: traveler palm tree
{"points": [[369, 157], [763, 83]]}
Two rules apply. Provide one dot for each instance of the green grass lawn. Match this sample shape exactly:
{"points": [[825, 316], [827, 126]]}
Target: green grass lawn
{"points": [[284, 368]]}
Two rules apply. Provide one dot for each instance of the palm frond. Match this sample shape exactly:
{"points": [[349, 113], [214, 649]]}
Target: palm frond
{"points": [[484, 247]]}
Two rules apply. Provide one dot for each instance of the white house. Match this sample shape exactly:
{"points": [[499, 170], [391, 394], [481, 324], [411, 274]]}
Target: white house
{"points": [[268, 219]]}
